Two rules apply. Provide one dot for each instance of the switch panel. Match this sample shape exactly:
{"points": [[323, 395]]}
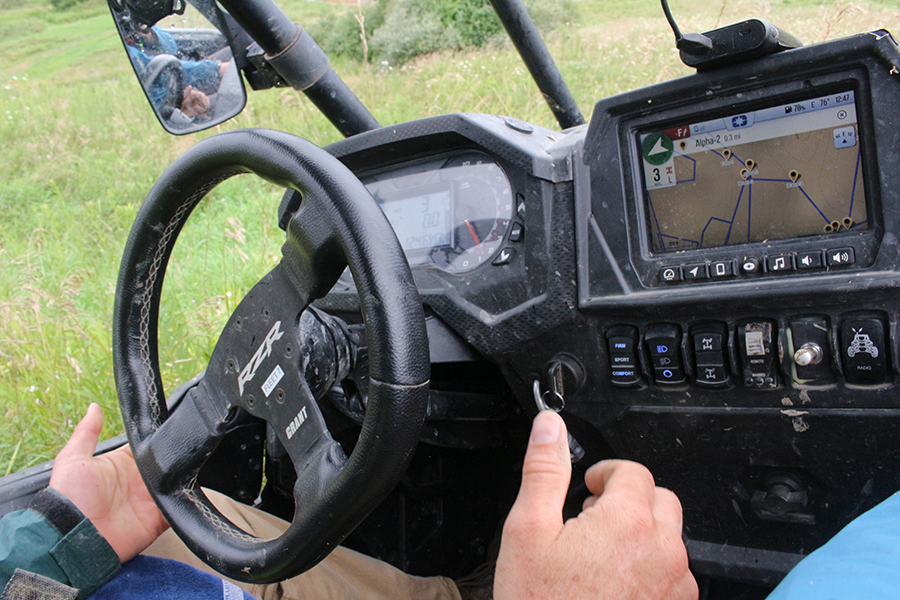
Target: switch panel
{"points": [[709, 342], [756, 345], [810, 351], [622, 344], [863, 351], [664, 345], [813, 350]]}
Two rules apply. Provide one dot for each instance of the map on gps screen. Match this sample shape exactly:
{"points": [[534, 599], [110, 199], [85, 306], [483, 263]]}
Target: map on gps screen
{"points": [[781, 172]]}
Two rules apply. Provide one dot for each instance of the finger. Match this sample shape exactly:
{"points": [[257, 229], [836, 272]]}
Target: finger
{"points": [[84, 439], [623, 479], [686, 588], [597, 476], [667, 511], [588, 502], [546, 473]]}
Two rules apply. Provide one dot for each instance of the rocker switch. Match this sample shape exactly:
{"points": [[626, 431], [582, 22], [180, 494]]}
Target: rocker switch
{"points": [[621, 342], [664, 345], [864, 351], [709, 354], [756, 343]]}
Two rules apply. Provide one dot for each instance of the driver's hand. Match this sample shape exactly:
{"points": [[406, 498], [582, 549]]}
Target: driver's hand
{"points": [[195, 102], [625, 544], [108, 489]]}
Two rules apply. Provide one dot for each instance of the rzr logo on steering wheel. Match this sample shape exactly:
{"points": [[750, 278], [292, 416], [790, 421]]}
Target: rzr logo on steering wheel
{"points": [[264, 350]]}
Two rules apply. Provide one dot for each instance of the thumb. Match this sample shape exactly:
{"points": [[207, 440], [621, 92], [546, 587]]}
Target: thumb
{"points": [[546, 473], [84, 439]]}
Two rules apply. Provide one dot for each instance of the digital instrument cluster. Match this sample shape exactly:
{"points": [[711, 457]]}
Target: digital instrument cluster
{"points": [[450, 212]]}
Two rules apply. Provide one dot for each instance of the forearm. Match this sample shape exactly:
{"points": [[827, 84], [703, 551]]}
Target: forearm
{"points": [[861, 562], [53, 539]]}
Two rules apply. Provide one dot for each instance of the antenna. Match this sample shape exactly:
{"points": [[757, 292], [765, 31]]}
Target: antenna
{"points": [[695, 44]]}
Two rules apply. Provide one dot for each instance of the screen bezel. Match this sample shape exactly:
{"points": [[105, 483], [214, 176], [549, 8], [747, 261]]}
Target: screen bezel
{"points": [[648, 262], [615, 267]]}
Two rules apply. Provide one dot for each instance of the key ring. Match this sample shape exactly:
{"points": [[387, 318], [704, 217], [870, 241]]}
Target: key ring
{"points": [[548, 400]]}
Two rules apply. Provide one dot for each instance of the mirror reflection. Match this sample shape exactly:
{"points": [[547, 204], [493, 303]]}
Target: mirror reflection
{"points": [[185, 67]]}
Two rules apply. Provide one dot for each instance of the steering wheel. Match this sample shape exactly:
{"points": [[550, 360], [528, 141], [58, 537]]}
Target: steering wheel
{"points": [[164, 74], [255, 365]]}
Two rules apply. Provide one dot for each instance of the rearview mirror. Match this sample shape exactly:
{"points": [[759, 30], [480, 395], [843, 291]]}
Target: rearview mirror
{"points": [[185, 68]]}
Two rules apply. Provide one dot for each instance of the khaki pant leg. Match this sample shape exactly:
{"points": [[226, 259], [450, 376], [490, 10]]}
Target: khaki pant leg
{"points": [[343, 575]]}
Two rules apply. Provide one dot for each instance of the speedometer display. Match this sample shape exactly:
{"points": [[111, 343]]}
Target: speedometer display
{"points": [[423, 220], [450, 212]]}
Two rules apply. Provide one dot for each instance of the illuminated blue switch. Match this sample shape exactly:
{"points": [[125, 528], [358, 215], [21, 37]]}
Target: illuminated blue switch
{"points": [[622, 344], [664, 345]]}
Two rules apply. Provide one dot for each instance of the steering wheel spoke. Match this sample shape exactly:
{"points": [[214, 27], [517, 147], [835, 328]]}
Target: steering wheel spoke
{"points": [[185, 440], [257, 363], [255, 359], [312, 253]]}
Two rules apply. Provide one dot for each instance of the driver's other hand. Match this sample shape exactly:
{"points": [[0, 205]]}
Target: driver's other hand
{"points": [[195, 102], [625, 544], [107, 489]]}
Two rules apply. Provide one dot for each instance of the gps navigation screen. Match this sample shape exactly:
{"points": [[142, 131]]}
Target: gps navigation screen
{"points": [[781, 172]]}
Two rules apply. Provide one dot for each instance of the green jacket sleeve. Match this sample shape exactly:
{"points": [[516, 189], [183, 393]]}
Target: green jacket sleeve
{"points": [[53, 539]]}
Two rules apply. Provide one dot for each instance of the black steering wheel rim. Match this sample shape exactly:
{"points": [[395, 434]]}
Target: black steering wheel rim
{"points": [[338, 218]]}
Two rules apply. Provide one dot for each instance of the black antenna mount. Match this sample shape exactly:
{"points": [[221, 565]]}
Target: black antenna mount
{"points": [[747, 40]]}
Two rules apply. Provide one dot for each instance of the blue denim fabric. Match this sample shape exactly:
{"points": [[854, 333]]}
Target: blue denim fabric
{"points": [[147, 577]]}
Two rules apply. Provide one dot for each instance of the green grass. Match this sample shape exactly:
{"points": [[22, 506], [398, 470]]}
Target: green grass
{"points": [[79, 148]]}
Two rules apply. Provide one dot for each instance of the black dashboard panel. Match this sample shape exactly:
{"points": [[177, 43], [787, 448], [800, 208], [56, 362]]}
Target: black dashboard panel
{"points": [[758, 380], [761, 382]]}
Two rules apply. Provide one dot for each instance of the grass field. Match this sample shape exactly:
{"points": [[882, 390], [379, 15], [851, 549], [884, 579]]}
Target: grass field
{"points": [[79, 148]]}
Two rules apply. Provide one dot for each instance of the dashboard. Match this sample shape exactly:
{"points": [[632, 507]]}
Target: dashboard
{"points": [[704, 279]]}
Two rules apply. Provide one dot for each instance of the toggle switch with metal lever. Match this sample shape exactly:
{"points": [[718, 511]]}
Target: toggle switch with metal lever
{"points": [[809, 340], [809, 353]]}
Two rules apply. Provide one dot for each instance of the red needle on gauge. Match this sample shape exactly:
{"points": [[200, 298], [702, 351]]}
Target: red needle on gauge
{"points": [[474, 236]]}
